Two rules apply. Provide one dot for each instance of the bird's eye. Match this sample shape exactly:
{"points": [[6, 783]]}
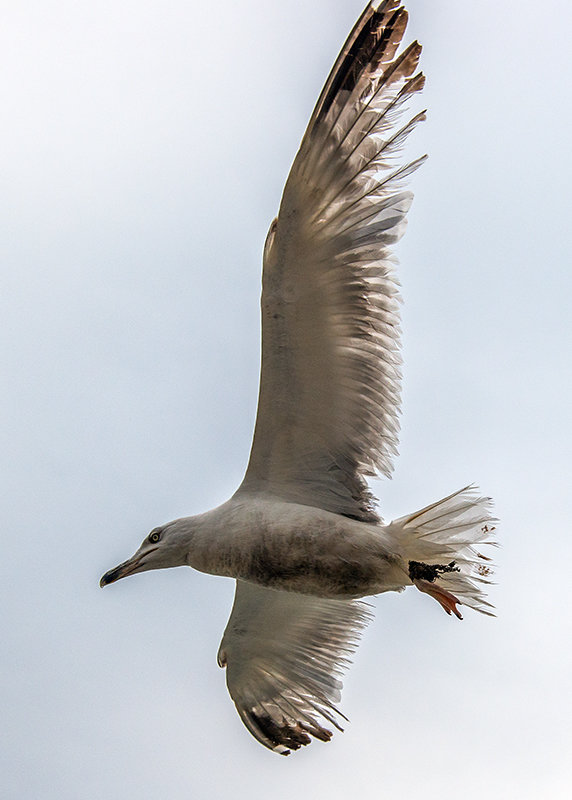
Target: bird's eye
{"points": [[154, 536]]}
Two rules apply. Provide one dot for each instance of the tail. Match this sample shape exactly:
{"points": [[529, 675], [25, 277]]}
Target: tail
{"points": [[442, 545]]}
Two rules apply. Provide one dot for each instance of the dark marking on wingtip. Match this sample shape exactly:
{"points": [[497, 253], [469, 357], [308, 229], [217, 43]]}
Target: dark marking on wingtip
{"points": [[373, 38], [284, 734]]}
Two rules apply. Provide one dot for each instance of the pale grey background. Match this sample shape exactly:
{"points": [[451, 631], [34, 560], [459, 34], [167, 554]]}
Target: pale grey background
{"points": [[144, 147]]}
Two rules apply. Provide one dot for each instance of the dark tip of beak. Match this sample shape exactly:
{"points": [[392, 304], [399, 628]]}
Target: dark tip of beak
{"points": [[111, 576], [128, 567]]}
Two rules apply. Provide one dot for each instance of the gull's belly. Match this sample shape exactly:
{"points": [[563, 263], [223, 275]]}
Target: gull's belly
{"points": [[322, 565], [304, 549]]}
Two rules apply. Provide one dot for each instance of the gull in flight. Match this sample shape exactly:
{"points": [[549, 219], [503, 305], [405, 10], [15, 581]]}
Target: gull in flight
{"points": [[301, 535]]}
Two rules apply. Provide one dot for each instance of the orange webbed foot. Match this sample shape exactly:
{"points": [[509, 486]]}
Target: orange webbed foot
{"points": [[447, 600]]}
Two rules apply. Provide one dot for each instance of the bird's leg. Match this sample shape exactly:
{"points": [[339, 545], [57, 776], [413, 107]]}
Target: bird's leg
{"points": [[447, 600], [423, 577]]}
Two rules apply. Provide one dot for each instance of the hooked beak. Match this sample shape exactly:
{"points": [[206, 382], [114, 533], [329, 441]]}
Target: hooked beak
{"points": [[129, 567]]}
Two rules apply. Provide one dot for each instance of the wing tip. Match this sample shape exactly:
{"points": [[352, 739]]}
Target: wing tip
{"points": [[385, 5], [282, 735]]}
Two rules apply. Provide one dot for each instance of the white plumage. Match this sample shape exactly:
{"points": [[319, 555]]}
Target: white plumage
{"points": [[330, 379], [301, 535], [285, 654]]}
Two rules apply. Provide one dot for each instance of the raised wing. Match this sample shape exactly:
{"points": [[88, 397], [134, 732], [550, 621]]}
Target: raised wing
{"points": [[284, 654], [330, 379]]}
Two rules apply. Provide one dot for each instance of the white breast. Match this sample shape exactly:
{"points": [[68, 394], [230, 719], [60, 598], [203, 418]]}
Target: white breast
{"points": [[299, 548]]}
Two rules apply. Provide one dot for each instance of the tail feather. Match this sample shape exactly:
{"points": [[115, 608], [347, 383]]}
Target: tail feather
{"points": [[454, 530]]}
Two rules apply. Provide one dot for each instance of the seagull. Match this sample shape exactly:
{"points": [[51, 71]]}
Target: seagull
{"points": [[302, 536]]}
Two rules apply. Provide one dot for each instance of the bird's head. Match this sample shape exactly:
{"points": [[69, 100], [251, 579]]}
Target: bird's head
{"points": [[167, 546]]}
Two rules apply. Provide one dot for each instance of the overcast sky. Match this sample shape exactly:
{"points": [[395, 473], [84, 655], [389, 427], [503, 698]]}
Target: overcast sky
{"points": [[144, 147]]}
